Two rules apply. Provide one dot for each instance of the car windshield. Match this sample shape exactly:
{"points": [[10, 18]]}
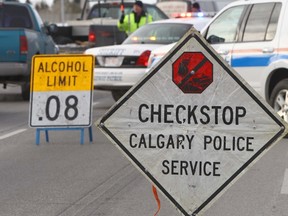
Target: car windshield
{"points": [[113, 11], [160, 33]]}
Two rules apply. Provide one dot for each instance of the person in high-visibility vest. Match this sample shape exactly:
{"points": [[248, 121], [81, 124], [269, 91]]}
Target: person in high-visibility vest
{"points": [[137, 18]]}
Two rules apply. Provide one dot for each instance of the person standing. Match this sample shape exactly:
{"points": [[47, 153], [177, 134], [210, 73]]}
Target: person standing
{"points": [[196, 7], [137, 18]]}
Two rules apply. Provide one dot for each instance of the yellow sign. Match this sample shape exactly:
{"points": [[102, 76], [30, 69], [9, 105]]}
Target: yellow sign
{"points": [[62, 72]]}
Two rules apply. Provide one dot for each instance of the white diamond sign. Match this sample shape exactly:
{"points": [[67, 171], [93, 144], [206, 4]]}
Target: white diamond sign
{"points": [[192, 125]]}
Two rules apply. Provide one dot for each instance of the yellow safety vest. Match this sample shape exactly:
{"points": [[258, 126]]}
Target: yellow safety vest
{"points": [[129, 25]]}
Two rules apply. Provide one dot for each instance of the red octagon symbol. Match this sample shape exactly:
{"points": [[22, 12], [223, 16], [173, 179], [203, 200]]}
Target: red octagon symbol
{"points": [[192, 72]]}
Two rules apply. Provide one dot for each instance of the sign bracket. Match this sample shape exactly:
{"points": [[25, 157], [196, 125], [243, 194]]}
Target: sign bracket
{"points": [[38, 130]]}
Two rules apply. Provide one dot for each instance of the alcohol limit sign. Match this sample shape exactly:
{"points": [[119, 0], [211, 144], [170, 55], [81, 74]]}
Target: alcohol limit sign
{"points": [[192, 125], [61, 91]]}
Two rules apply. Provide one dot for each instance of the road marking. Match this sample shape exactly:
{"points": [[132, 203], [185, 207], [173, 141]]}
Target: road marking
{"points": [[284, 189], [12, 134], [95, 103]]}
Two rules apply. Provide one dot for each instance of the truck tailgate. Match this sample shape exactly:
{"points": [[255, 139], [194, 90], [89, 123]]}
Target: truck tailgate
{"points": [[10, 43]]}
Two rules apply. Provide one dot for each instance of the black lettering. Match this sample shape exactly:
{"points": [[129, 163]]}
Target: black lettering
{"points": [[227, 115], [160, 144], [167, 113], [62, 81], [74, 79], [170, 142], [150, 142], [142, 141], [202, 110], [130, 141], [190, 139], [140, 113], [174, 167], [77, 66], [216, 168], [69, 67], [54, 67], [240, 112], [191, 113], [47, 67], [51, 82], [193, 167], [61, 66], [217, 139], [249, 143], [216, 108], [238, 143], [41, 68], [207, 140], [165, 164], [183, 167], [206, 173], [225, 144], [84, 68], [156, 113]]}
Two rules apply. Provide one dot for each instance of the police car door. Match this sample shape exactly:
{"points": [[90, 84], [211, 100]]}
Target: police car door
{"points": [[256, 48], [223, 32]]}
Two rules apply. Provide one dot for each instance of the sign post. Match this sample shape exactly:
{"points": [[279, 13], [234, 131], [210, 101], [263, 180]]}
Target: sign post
{"points": [[192, 125], [61, 91]]}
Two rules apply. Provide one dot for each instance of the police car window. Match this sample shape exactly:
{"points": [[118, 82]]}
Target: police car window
{"points": [[224, 28], [271, 31], [257, 23], [162, 33]]}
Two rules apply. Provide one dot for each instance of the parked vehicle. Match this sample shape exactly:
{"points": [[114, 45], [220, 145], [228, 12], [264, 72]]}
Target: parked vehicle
{"points": [[252, 37], [23, 35], [100, 26], [119, 67]]}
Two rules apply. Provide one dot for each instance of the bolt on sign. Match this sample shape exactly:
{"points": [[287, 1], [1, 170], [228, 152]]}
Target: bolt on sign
{"points": [[192, 125], [61, 90]]}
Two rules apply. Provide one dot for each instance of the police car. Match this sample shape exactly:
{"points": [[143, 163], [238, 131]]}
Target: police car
{"points": [[119, 67], [251, 35]]}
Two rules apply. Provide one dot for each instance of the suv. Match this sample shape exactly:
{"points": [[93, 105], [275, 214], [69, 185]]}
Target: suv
{"points": [[251, 35]]}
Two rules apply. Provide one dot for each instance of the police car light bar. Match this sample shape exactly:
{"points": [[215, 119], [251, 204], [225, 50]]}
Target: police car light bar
{"points": [[193, 14]]}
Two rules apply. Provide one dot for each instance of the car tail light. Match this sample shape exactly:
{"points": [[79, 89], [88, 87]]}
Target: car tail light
{"points": [[23, 45], [92, 37], [143, 58]]}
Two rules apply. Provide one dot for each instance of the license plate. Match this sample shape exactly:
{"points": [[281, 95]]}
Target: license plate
{"points": [[112, 76], [113, 61]]}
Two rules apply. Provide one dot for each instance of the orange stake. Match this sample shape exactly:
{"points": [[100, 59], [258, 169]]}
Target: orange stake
{"points": [[157, 199]]}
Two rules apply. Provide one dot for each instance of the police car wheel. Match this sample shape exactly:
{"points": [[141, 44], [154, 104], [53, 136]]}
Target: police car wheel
{"points": [[117, 94], [279, 99]]}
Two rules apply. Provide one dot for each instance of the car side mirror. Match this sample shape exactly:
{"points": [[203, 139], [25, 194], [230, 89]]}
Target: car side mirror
{"points": [[214, 39], [52, 28]]}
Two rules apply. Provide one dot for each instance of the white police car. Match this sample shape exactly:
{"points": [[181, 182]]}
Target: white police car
{"points": [[251, 35], [119, 67]]}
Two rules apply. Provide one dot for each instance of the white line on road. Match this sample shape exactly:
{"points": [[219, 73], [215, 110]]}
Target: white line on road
{"points": [[284, 189], [95, 103], [12, 133]]}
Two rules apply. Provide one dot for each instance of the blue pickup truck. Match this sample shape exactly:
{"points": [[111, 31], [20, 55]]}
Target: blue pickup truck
{"points": [[22, 35]]}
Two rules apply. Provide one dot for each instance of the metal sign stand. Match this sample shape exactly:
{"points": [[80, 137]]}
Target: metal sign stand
{"points": [[38, 130]]}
